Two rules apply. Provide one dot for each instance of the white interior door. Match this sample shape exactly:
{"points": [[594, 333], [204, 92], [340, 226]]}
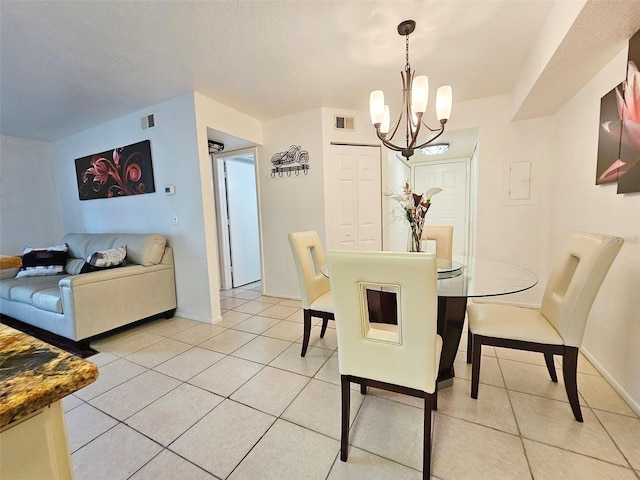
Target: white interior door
{"points": [[242, 210], [451, 206], [354, 190]]}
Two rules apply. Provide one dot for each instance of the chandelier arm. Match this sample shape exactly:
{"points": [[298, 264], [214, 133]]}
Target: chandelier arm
{"points": [[431, 129], [386, 143], [431, 139]]}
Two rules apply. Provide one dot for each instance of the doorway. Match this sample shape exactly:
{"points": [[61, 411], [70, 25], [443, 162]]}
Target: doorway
{"points": [[238, 225]]}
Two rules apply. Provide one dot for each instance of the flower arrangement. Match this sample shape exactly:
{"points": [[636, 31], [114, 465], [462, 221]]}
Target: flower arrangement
{"points": [[415, 208]]}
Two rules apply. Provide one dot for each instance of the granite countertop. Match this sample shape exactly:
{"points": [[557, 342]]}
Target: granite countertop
{"points": [[34, 374]]}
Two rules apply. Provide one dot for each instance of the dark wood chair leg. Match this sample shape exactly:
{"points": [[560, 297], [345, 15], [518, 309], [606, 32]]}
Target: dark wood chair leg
{"points": [[363, 389], [325, 322], [569, 372], [434, 400], [307, 332], [426, 452], [475, 366], [548, 358], [346, 407], [469, 345]]}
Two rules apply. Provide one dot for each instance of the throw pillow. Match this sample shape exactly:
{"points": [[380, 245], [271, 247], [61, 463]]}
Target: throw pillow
{"points": [[43, 261], [104, 259]]}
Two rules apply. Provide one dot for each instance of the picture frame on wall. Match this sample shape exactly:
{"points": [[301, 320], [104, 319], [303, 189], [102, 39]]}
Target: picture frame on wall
{"points": [[120, 172]]}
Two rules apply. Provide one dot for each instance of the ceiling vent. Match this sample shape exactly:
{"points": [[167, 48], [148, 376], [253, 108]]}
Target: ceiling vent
{"points": [[341, 122], [147, 122]]}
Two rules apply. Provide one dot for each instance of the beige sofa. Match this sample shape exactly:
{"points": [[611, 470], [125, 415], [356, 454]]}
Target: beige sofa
{"points": [[79, 306]]}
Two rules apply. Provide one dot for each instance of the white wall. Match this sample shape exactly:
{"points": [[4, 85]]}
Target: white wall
{"points": [[514, 231], [289, 204], [612, 338], [175, 162], [29, 212]]}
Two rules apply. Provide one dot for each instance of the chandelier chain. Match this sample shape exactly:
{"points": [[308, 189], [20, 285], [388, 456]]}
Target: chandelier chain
{"points": [[407, 66]]}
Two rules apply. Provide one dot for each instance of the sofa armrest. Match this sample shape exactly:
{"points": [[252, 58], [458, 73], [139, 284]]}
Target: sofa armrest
{"points": [[73, 281]]}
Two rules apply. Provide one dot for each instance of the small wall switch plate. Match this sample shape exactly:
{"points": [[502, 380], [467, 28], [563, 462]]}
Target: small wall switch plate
{"points": [[170, 189], [175, 219]]}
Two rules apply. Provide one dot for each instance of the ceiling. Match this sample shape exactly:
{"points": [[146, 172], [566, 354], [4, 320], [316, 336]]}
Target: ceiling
{"points": [[69, 66]]}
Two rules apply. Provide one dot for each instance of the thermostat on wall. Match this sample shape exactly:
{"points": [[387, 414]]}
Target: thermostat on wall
{"points": [[170, 189]]}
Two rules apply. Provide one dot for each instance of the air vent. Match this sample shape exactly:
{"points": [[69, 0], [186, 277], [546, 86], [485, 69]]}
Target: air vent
{"points": [[344, 123]]}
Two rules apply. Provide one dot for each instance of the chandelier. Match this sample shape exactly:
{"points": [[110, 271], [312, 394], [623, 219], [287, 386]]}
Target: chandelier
{"points": [[415, 94]]}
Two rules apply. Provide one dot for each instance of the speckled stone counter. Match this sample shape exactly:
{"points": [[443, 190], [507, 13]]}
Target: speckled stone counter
{"points": [[34, 374]]}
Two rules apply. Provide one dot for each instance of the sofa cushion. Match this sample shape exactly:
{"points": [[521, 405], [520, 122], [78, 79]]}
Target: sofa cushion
{"points": [[43, 261], [23, 289], [104, 259], [48, 299], [142, 249]]}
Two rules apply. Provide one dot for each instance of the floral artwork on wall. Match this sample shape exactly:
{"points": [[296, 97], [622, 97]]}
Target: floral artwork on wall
{"points": [[119, 172], [619, 139]]}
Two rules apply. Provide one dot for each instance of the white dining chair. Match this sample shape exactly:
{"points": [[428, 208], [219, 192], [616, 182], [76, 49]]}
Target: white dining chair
{"points": [[558, 326], [309, 256], [401, 356], [443, 236]]}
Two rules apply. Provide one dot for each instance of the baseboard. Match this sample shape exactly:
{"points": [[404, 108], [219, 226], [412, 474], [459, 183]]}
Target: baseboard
{"points": [[612, 381], [279, 295]]}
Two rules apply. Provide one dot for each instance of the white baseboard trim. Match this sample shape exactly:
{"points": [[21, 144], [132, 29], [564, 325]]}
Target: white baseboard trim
{"points": [[279, 295], [612, 381]]}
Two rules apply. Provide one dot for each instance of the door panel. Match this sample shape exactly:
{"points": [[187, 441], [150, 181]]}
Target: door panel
{"points": [[244, 237], [449, 207]]}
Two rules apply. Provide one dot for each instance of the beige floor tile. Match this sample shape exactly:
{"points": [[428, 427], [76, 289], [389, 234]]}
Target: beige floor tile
{"points": [[363, 465], [552, 422], [253, 307], [227, 341], [190, 363], [330, 371], [158, 352], [110, 376], [267, 299], [395, 397], [163, 422], [126, 345], [247, 295], [599, 394], [490, 372], [285, 330], [86, 423], [232, 302], [126, 399], [389, 429], [114, 455], [308, 365], [198, 333], [226, 376], [168, 465], [262, 349], [223, 437], [231, 318], [330, 340], [271, 390], [101, 359], [534, 379], [524, 356], [298, 317], [462, 450], [318, 408], [551, 463], [625, 432], [492, 408], [279, 311], [256, 324], [171, 326], [290, 450], [70, 402], [291, 303]]}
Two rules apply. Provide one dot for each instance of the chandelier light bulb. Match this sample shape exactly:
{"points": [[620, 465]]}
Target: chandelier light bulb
{"points": [[444, 100], [386, 120], [419, 94], [376, 106]]}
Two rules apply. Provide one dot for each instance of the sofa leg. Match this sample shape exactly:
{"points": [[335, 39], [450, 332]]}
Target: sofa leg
{"points": [[169, 314]]}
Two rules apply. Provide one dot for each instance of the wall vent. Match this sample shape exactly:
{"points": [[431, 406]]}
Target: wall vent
{"points": [[341, 122], [147, 122]]}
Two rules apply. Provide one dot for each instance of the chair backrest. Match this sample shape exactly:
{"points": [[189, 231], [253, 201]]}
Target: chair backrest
{"points": [[575, 281], [405, 354], [309, 256], [443, 235]]}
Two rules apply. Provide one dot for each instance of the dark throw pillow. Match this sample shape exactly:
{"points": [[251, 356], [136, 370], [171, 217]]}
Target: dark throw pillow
{"points": [[38, 262]]}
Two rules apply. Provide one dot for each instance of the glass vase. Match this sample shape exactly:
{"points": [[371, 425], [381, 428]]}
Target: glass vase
{"points": [[414, 244]]}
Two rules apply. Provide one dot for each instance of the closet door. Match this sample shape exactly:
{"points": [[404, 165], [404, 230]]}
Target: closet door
{"points": [[353, 198]]}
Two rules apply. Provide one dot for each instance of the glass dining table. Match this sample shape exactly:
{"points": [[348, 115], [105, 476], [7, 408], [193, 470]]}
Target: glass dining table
{"points": [[459, 279]]}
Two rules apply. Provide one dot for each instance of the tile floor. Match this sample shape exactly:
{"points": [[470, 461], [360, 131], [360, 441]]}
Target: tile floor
{"points": [[178, 399]]}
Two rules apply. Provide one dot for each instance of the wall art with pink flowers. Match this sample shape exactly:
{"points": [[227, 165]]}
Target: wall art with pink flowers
{"points": [[119, 172], [619, 138]]}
